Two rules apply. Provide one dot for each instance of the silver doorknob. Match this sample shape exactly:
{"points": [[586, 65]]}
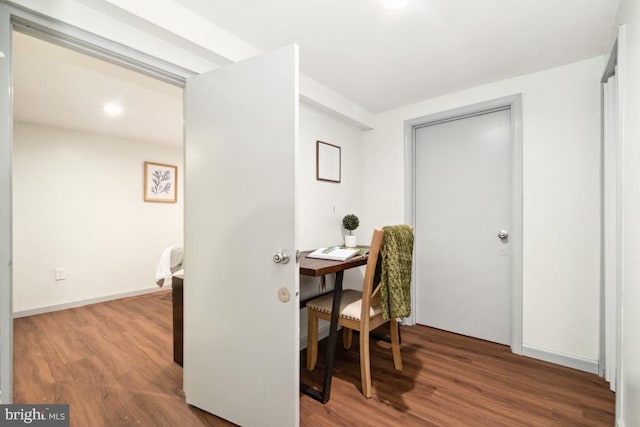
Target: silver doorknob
{"points": [[281, 257], [503, 234]]}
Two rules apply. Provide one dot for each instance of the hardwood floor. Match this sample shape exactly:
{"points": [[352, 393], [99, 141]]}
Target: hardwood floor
{"points": [[452, 380], [112, 362]]}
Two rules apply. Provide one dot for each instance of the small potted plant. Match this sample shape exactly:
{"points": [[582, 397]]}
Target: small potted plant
{"points": [[350, 222]]}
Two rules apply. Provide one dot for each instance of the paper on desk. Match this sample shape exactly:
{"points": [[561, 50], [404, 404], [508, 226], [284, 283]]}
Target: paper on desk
{"points": [[334, 253]]}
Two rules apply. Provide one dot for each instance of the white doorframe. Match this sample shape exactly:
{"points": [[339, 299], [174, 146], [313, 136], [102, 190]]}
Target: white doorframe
{"points": [[6, 228], [611, 193], [66, 35], [621, 76], [514, 103]]}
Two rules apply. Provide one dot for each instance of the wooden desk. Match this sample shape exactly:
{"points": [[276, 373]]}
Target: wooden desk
{"points": [[319, 267]]}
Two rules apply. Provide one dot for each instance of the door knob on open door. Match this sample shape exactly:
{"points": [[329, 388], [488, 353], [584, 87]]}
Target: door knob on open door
{"points": [[281, 257], [503, 234]]}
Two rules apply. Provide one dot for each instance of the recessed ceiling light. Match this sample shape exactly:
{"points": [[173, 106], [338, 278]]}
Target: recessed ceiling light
{"points": [[112, 109], [393, 4]]}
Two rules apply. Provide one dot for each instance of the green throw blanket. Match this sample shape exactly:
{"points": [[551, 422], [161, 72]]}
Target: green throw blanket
{"points": [[395, 291]]}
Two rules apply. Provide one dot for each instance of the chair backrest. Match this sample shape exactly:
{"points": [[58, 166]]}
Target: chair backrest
{"points": [[370, 290]]}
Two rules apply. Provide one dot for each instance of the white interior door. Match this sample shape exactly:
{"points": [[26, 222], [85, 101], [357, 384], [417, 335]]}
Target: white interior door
{"points": [[462, 202], [241, 355]]}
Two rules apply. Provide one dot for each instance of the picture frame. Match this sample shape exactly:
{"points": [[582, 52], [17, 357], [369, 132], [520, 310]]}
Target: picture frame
{"points": [[328, 162], [160, 183]]}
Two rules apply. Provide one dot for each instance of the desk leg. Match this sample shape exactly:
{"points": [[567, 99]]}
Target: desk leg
{"points": [[323, 396], [333, 336]]}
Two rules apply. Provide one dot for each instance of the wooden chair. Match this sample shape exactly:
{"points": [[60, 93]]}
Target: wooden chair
{"points": [[359, 311]]}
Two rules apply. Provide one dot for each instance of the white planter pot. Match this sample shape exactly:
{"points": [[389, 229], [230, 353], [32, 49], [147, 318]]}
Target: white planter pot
{"points": [[350, 241]]}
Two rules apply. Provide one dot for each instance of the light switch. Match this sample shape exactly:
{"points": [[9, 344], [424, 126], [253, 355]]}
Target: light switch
{"points": [[61, 274]]}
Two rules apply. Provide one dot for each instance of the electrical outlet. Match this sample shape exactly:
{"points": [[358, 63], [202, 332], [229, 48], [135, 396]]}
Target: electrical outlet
{"points": [[61, 274]]}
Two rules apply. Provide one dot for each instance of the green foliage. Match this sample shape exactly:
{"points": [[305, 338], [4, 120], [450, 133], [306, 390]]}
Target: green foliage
{"points": [[350, 222]]}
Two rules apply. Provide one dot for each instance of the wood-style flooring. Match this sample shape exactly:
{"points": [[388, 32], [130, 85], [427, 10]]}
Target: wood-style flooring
{"points": [[453, 380], [112, 362]]}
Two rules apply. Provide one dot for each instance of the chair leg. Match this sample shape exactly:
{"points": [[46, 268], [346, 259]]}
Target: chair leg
{"points": [[395, 344], [312, 341], [347, 337], [365, 366]]}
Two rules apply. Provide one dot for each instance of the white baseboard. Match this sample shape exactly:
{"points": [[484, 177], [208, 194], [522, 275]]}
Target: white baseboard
{"points": [[73, 304], [323, 332], [578, 363]]}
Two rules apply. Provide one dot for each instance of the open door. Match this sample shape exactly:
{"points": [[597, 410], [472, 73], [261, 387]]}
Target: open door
{"points": [[241, 307]]}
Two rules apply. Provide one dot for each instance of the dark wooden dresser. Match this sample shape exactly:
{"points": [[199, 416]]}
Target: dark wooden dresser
{"points": [[177, 298]]}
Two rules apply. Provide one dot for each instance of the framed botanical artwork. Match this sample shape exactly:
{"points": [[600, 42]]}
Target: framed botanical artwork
{"points": [[328, 162], [160, 183]]}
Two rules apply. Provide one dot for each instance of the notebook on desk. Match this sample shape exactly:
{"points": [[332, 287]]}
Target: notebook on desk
{"points": [[335, 253]]}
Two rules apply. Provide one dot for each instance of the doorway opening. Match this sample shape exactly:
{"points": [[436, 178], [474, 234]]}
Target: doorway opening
{"points": [[83, 232]]}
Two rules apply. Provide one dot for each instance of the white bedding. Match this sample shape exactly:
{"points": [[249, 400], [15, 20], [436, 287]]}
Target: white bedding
{"points": [[170, 262]]}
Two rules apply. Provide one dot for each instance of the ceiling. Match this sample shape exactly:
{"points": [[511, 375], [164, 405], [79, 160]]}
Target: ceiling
{"points": [[385, 59], [377, 58], [59, 87]]}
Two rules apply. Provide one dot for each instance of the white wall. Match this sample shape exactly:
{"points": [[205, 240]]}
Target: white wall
{"points": [[321, 204], [561, 170], [78, 204], [628, 392]]}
